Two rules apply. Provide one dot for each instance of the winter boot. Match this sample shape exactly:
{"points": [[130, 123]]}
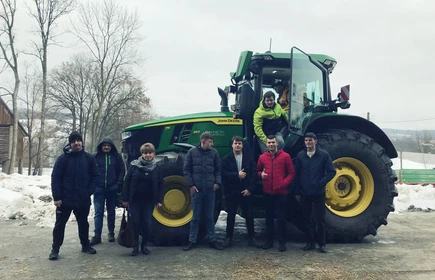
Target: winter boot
{"points": [[89, 250], [135, 250], [111, 237], [54, 255], [95, 240]]}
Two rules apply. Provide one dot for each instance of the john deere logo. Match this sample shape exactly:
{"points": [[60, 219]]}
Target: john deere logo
{"points": [[229, 121]]}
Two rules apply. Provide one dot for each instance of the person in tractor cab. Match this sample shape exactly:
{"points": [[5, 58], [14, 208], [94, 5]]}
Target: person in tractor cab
{"points": [[268, 120], [282, 94], [276, 170], [314, 169], [202, 171], [239, 179]]}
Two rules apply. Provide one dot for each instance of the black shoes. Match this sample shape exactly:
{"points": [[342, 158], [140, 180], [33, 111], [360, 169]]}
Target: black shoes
{"points": [[144, 249], [89, 250], [95, 240], [309, 247], [267, 245], [282, 247], [54, 255], [189, 246], [135, 251], [110, 237], [228, 242], [322, 249], [215, 245]]}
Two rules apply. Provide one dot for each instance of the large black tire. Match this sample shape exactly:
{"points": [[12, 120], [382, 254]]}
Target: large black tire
{"points": [[163, 235], [344, 146]]}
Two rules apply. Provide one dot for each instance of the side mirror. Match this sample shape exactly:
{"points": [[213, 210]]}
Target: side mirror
{"points": [[343, 98]]}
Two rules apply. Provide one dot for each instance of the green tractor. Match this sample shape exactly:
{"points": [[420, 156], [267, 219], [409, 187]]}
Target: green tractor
{"points": [[358, 199]]}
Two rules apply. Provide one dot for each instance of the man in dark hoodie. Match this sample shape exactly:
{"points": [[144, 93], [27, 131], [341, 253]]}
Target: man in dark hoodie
{"points": [[239, 179], [73, 181], [111, 169], [314, 169], [202, 171], [268, 120]]}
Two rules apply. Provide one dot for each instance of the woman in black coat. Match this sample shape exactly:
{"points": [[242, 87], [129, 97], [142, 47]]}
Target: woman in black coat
{"points": [[143, 189]]}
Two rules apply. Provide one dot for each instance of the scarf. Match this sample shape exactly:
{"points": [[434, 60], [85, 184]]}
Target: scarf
{"points": [[146, 165]]}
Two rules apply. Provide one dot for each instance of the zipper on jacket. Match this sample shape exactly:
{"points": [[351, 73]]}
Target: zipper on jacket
{"points": [[105, 175], [273, 158]]}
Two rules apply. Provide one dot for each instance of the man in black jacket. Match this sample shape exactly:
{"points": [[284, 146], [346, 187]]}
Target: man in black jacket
{"points": [[314, 169], [202, 171], [73, 181], [238, 177], [111, 169]]}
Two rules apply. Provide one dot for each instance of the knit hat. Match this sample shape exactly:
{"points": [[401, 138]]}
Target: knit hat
{"points": [[311, 135], [74, 136]]}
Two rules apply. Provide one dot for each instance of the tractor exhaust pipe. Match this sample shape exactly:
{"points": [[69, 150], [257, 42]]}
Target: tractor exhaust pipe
{"points": [[224, 100]]}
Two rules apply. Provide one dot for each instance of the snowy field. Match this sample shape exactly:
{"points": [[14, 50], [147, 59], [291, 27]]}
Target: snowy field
{"points": [[29, 197]]}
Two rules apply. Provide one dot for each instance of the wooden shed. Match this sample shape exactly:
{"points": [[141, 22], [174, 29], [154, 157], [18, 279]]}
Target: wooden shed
{"points": [[6, 126]]}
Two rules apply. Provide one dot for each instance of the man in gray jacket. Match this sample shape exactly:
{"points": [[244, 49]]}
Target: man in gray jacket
{"points": [[202, 170]]}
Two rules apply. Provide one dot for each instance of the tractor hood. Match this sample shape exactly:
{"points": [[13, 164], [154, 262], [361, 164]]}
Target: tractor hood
{"points": [[215, 117]]}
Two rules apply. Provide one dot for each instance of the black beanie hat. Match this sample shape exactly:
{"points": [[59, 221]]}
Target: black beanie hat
{"points": [[74, 136]]}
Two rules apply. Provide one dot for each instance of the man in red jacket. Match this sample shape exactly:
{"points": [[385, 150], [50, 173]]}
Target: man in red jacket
{"points": [[275, 168]]}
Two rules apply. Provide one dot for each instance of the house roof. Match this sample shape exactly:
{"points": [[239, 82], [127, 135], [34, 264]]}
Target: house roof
{"points": [[20, 127]]}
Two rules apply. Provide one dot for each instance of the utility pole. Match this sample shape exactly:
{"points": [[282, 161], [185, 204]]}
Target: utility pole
{"points": [[270, 45], [368, 116]]}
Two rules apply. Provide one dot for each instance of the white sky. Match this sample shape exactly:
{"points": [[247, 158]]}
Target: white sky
{"points": [[383, 48], [19, 197]]}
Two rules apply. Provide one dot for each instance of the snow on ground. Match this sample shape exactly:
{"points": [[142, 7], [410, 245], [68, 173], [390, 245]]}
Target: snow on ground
{"points": [[408, 164], [29, 197]]}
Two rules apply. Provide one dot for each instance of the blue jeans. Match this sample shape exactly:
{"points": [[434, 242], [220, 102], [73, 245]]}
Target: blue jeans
{"points": [[202, 203], [141, 213], [101, 196]]}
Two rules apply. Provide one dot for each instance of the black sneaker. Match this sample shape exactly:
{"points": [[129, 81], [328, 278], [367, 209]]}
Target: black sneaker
{"points": [[54, 255], [309, 247], [189, 246], [228, 242], [89, 250], [95, 240], [322, 249], [215, 245], [110, 237], [267, 245]]}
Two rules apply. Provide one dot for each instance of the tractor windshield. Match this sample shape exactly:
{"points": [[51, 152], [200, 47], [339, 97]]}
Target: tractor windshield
{"points": [[308, 82]]}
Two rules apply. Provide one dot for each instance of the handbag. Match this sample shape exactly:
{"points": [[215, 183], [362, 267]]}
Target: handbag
{"points": [[126, 231]]}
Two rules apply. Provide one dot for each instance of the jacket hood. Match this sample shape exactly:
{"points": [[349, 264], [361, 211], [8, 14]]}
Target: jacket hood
{"points": [[107, 140]]}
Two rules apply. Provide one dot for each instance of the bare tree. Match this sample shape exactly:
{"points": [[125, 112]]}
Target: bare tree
{"points": [[32, 94], [46, 14], [72, 92], [10, 56], [110, 33]]}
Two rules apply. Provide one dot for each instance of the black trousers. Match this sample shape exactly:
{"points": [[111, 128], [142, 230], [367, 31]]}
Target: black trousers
{"points": [[245, 202], [62, 215], [276, 206], [314, 204]]}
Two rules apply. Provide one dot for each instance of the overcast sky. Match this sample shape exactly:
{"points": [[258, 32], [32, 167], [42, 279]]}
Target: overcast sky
{"points": [[384, 49]]}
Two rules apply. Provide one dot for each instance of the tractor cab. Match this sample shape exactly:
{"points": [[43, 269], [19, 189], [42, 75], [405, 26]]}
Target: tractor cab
{"points": [[304, 78]]}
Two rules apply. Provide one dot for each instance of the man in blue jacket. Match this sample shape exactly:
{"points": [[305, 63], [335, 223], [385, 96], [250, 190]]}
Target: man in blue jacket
{"points": [[202, 171], [73, 181], [111, 169], [314, 169]]}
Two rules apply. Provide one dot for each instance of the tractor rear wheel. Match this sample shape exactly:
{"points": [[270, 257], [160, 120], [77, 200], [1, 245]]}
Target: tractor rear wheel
{"points": [[360, 196], [171, 222]]}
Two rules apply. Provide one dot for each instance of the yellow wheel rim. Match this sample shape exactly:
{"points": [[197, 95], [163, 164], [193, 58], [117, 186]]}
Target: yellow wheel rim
{"points": [[176, 210], [351, 191]]}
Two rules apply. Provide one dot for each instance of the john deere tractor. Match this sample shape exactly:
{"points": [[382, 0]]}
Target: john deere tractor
{"points": [[358, 199]]}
